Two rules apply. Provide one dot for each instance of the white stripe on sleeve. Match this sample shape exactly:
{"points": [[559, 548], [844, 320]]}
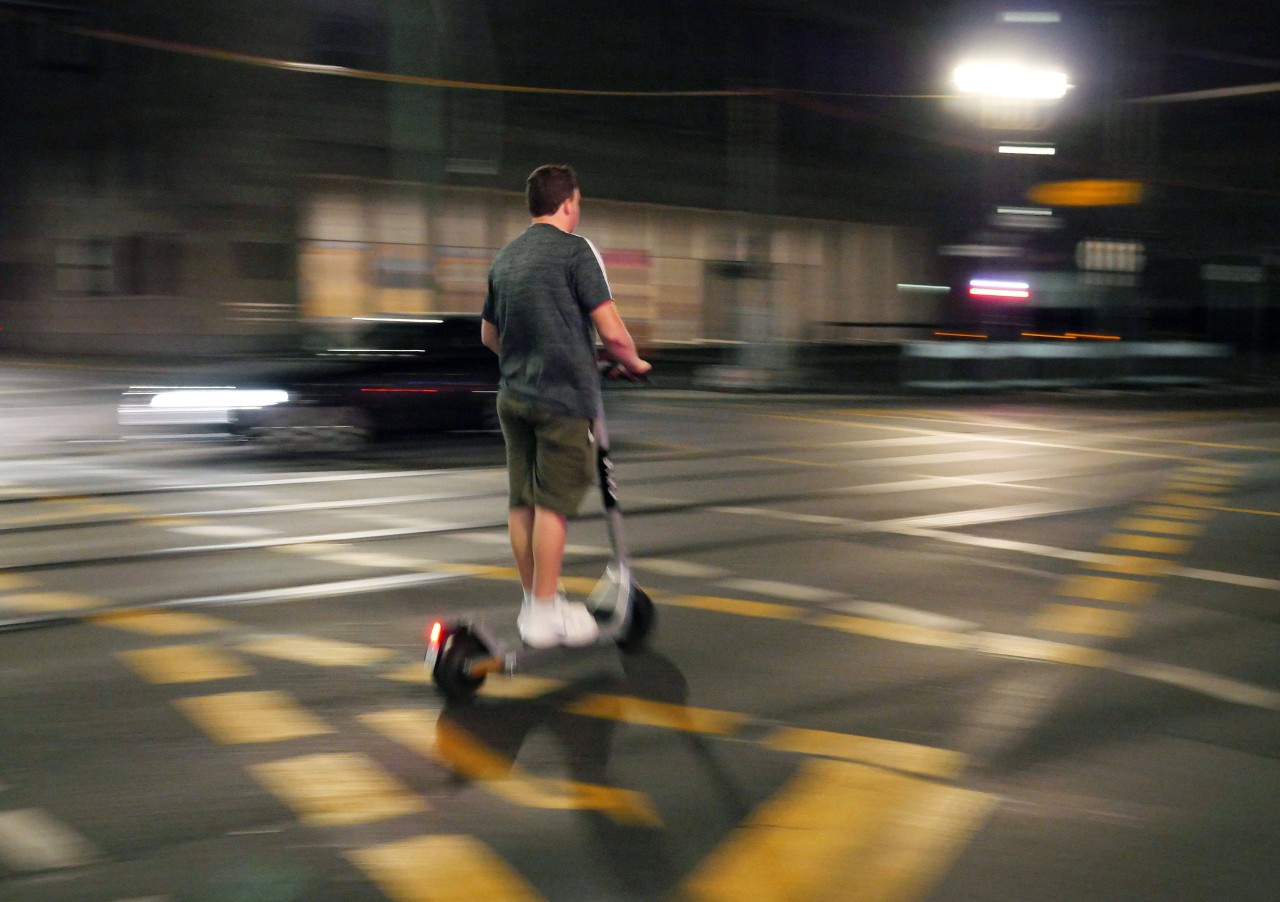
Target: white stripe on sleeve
{"points": [[600, 260]]}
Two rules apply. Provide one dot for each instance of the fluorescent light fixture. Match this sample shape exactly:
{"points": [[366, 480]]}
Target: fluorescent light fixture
{"points": [[1024, 211], [931, 289], [978, 250], [1030, 17], [1044, 150], [1010, 80], [999, 283]]}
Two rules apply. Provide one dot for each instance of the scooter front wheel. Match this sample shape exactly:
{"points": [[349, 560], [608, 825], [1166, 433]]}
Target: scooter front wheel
{"points": [[641, 622]]}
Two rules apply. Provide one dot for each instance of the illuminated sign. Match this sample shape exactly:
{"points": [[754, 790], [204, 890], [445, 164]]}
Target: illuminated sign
{"points": [[1087, 193]]}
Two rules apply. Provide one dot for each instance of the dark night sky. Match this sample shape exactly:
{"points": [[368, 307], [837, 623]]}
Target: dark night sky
{"points": [[908, 46]]}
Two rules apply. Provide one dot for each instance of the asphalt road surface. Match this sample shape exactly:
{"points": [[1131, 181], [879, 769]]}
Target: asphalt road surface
{"points": [[907, 649]]}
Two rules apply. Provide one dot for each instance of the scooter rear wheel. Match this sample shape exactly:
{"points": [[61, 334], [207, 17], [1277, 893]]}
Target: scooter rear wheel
{"points": [[450, 671], [643, 617]]}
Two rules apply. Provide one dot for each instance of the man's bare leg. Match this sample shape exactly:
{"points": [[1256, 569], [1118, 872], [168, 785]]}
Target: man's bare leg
{"points": [[538, 538], [520, 529], [550, 530]]}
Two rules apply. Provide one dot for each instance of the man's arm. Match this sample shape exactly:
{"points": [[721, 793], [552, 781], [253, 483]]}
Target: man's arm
{"points": [[489, 336], [617, 340]]}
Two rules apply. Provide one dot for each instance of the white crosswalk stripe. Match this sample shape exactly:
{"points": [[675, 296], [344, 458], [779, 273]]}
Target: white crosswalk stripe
{"points": [[33, 840], [668, 567], [789, 591]]}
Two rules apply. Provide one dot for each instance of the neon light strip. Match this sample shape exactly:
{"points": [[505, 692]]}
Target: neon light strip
{"points": [[997, 283], [998, 293]]}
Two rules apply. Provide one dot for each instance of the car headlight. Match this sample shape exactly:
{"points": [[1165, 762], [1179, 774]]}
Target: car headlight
{"points": [[219, 398]]}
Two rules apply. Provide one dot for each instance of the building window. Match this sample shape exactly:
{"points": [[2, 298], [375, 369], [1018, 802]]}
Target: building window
{"points": [[151, 265], [413, 275], [85, 266], [265, 260]]}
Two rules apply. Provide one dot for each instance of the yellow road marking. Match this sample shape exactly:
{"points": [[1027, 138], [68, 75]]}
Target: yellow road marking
{"points": [[990, 438], [1177, 513], [170, 522], [411, 673], [233, 718], [513, 686], [1132, 564], [185, 664], [34, 519], [895, 632], [792, 460], [1071, 618], [519, 686], [442, 869], [320, 652], [658, 714], [1165, 527], [52, 602], [1229, 447], [161, 623], [338, 789], [1242, 510], [107, 509], [579, 585], [24, 492], [1198, 485], [312, 548], [1028, 648], [1186, 499], [1152, 544], [1220, 475], [479, 570], [1107, 588], [374, 559], [422, 733], [923, 760], [739, 606], [843, 831], [79, 507], [11, 581]]}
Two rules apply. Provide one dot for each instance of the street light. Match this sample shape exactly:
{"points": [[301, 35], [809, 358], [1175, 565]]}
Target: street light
{"points": [[1012, 80]]}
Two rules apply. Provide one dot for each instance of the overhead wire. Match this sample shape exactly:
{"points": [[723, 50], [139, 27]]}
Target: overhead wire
{"points": [[819, 101], [252, 59]]}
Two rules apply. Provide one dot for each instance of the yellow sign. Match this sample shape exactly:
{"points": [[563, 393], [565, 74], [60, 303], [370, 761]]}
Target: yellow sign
{"points": [[1087, 193]]}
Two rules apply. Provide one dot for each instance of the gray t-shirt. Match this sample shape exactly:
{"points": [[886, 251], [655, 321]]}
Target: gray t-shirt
{"points": [[542, 289]]}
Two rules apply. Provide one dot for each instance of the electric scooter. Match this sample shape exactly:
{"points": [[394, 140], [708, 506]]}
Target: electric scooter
{"points": [[462, 652]]}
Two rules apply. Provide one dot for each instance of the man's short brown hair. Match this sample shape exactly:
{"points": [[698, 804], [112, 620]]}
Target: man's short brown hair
{"points": [[548, 187]]}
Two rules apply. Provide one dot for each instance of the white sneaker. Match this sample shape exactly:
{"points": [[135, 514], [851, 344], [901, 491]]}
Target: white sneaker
{"points": [[561, 623]]}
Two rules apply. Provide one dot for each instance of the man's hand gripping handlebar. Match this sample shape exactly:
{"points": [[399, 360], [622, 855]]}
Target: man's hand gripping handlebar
{"points": [[614, 369]]}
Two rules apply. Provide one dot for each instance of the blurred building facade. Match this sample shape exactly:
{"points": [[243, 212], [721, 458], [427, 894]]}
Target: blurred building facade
{"points": [[189, 193], [192, 178]]}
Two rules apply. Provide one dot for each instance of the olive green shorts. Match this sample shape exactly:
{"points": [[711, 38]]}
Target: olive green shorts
{"points": [[550, 459]]}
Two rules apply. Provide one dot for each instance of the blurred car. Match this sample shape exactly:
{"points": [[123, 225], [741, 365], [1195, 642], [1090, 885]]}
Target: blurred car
{"points": [[400, 375]]}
